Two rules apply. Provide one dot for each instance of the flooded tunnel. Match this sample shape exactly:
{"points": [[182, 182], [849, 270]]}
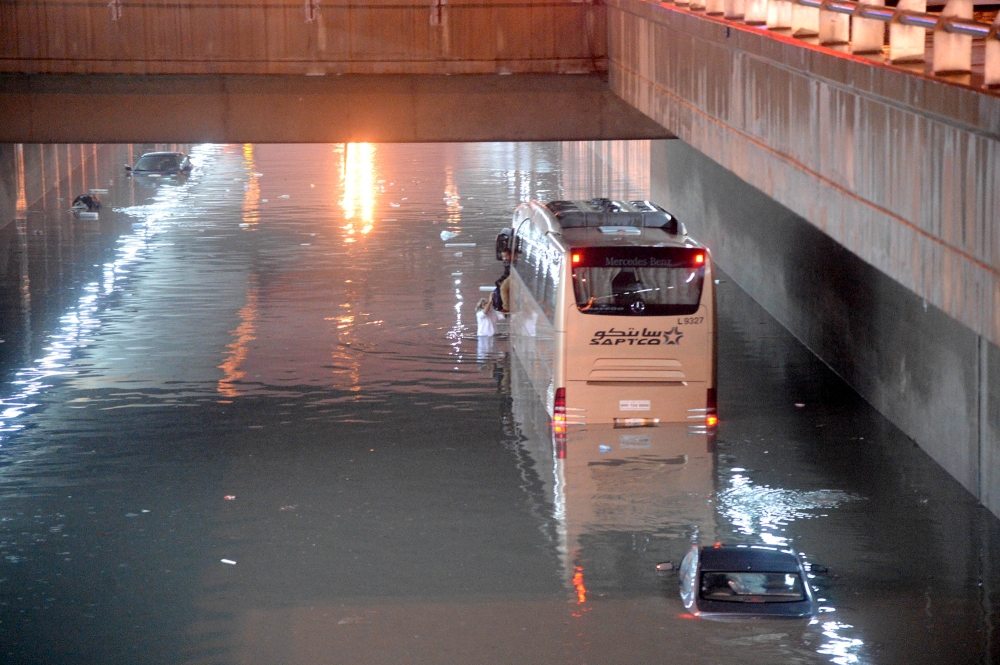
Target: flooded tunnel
{"points": [[244, 418]]}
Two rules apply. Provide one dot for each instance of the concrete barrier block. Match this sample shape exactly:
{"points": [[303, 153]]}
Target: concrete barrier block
{"points": [[991, 71], [805, 21], [834, 28], [756, 12], [715, 7], [991, 67], [907, 43], [779, 14], [953, 52], [867, 35]]}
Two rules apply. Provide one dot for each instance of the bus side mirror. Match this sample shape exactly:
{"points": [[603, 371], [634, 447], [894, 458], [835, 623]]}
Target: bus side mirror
{"points": [[503, 244]]}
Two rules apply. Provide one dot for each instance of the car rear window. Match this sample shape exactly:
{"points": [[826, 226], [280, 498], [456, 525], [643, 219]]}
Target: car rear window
{"points": [[156, 163], [752, 587], [631, 281]]}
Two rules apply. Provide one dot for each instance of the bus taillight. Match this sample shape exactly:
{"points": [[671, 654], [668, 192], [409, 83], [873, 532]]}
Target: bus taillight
{"points": [[559, 411], [699, 259], [576, 258], [711, 412], [559, 422]]}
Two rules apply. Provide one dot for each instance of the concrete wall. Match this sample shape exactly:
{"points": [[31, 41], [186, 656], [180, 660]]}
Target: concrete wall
{"points": [[329, 109], [989, 422], [296, 37], [34, 170], [933, 377], [8, 183], [901, 169]]}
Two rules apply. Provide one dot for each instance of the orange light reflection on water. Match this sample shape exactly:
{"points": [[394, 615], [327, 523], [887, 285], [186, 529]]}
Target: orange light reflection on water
{"points": [[453, 201], [581, 589], [21, 205], [358, 179], [238, 350], [251, 194]]}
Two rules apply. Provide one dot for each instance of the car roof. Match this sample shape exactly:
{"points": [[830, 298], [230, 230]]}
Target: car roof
{"points": [[752, 558], [166, 152]]}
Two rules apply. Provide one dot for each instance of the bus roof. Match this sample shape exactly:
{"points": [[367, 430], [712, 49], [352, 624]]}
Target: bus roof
{"points": [[608, 212], [613, 236], [600, 220]]}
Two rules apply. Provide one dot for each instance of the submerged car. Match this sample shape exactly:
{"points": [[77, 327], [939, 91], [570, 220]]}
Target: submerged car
{"points": [[161, 163], [745, 580]]}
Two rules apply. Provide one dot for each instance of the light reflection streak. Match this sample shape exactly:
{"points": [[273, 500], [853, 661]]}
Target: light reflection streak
{"points": [[358, 180], [346, 361], [238, 350], [559, 509], [578, 584], [78, 326], [453, 206], [251, 191], [21, 206], [21, 221], [764, 512], [843, 649], [616, 169]]}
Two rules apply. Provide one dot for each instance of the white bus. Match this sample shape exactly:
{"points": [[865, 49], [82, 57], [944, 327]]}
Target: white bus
{"points": [[612, 313]]}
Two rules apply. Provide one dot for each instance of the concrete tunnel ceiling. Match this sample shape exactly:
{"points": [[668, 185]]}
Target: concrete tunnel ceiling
{"points": [[268, 109]]}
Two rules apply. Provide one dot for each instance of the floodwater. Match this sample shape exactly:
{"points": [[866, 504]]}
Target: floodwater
{"points": [[245, 420]]}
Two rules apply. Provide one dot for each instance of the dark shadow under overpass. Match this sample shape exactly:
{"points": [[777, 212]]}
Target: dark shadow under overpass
{"points": [[298, 109]]}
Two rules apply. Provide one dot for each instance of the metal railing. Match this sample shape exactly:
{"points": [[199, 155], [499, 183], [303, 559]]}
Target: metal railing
{"points": [[863, 25]]}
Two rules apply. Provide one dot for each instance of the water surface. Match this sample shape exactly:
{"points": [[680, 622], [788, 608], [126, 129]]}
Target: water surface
{"points": [[270, 362]]}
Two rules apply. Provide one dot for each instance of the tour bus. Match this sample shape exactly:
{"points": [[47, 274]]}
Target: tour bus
{"points": [[612, 313]]}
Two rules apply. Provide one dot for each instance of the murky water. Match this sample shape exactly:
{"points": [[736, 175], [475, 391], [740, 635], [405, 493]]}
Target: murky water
{"points": [[269, 363]]}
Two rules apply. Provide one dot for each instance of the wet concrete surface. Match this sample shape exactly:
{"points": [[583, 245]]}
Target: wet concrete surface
{"points": [[270, 363]]}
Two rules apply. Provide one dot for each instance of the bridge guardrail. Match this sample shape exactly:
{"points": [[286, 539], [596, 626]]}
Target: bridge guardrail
{"points": [[863, 24]]}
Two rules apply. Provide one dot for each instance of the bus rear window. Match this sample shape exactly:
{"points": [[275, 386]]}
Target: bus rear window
{"points": [[638, 281]]}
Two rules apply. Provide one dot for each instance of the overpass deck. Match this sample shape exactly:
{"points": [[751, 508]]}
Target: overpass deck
{"points": [[298, 109]]}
